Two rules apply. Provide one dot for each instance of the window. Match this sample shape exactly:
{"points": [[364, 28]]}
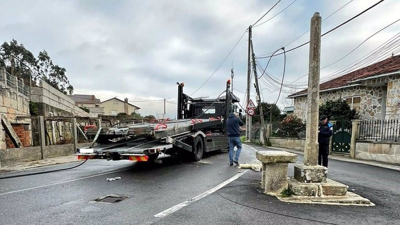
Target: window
{"points": [[208, 110], [114, 112], [115, 102], [354, 103]]}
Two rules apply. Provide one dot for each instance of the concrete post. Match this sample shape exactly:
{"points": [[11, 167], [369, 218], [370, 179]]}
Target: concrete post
{"points": [[42, 136], [99, 123], [355, 132], [248, 117], [311, 146], [74, 134]]}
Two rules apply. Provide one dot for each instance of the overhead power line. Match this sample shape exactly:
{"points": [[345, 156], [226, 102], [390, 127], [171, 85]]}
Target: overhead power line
{"points": [[276, 14], [220, 64], [309, 29], [329, 31], [358, 46], [266, 12]]}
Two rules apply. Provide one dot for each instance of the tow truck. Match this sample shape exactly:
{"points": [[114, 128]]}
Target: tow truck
{"points": [[199, 128]]}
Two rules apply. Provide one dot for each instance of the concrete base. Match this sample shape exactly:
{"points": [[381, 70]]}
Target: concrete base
{"points": [[310, 174], [350, 199], [329, 188]]}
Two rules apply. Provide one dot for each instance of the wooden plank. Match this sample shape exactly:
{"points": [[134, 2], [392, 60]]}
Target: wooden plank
{"points": [[10, 131]]}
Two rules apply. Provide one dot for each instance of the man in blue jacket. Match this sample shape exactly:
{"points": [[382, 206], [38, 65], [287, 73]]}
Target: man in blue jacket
{"points": [[324, 133], [233, 126]]}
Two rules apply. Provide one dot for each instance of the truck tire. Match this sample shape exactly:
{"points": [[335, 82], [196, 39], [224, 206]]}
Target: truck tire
{"points": [[198, 148], [153, 157]]}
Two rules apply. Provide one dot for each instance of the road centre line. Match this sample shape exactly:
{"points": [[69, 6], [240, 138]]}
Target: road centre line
{"points": [[57, 183], [198, 197]]}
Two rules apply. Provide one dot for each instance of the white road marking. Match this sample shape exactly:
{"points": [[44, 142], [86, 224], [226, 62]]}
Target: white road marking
{"points": [[251, 147], [57, 183], [198, 197]]}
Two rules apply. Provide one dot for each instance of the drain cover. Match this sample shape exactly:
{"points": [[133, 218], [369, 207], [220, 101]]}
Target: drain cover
{"points": [[111, 198]]}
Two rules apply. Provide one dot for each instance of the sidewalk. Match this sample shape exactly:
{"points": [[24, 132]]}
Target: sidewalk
{"points": [[39, 163]]}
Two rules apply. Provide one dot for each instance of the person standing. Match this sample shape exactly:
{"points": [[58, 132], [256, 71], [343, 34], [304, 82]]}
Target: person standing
{"points": [[233, 126], [325, 131]]}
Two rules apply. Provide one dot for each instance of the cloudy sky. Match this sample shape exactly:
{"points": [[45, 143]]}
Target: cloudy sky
{"points": [[140, 49]]}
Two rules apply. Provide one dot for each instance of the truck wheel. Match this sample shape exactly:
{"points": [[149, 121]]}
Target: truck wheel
{"points": [[153, 157], [198, 148]]}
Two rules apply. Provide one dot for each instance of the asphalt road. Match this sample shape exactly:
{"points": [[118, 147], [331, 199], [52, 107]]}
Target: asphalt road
{"points": [[175, 192]]}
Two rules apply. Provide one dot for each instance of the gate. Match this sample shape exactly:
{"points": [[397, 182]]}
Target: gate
{"points": [[341, 136]]}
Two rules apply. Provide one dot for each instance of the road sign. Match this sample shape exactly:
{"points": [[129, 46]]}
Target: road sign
{"points": [[250, 105], [250, 112]]}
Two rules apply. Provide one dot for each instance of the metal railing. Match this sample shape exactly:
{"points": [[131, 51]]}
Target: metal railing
{"points": [[380, 130]]}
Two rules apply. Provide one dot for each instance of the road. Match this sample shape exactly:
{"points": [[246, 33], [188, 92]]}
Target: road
{"points": [[175, 192]]}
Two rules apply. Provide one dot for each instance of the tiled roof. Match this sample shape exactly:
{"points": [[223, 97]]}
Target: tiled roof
{"points": [[121, 101], [391, 64], [85, 99]]}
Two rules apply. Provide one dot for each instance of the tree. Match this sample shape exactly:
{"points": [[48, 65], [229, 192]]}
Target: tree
{"points": [[267, 107], [17, 60], [136, 115], [149, 117], [337, 110], [53, 74]]}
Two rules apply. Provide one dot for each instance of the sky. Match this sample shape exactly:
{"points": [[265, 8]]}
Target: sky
{"points": [[140, 49]]}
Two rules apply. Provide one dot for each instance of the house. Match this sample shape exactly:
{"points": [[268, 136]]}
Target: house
{"points": [[88, 101], [288, 110], [373, 91], [114, 106]]}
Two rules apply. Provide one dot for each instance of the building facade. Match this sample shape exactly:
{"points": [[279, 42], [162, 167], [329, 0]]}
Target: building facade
{"points": [[114, 106], [373, 91]]}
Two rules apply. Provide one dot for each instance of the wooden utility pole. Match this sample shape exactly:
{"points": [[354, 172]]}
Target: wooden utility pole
{"points": [[262, 130], [311, 146], [248, 117]]}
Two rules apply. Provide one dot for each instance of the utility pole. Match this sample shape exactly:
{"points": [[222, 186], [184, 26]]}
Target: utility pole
{"points": [[232, 75], [164, 106], [248, 117], [311, 146], [262, 130]]}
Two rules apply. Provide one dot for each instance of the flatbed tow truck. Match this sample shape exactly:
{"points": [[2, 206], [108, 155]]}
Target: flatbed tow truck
{"points": [[199, 128]]}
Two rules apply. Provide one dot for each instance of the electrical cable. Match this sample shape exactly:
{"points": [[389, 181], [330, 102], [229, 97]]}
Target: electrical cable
{"points": [[276, 14], [329, 31], [330, 76], [268, 211], [220, 64], [309, 30], [43, 172], [267, 12]]}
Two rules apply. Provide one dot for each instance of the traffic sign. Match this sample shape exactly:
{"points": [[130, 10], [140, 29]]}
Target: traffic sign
{"points": [[250, 112], [250, 105]]}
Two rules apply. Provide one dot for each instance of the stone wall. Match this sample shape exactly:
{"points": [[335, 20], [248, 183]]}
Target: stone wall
{"points": [[382, 152], [290, 143], [393, 98], [377, 96], [52, 102], [14, 156]]}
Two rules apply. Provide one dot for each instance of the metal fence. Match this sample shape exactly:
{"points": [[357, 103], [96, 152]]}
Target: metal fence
{"points": [[380, 130]]}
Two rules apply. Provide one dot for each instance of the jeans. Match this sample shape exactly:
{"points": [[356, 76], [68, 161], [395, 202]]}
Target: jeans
{"points": [[234, 141]]}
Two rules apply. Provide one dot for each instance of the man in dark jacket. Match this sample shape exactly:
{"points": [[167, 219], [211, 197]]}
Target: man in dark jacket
{"points": [[233, 126], [324, 133]]}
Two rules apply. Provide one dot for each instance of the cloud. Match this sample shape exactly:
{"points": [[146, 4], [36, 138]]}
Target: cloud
{"points": [[140, 49]]}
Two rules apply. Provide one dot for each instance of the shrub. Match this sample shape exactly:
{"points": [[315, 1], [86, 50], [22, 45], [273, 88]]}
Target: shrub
{"points": [[291, 126]]}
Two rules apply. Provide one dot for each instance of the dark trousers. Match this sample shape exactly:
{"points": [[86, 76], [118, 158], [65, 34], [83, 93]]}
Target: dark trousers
{"points": [[323, 154]]}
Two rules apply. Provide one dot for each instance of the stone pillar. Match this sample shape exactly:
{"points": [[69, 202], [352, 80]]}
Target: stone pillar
{"points": [[42, 136], [355, 132], [74, 134], [311, 146]]}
